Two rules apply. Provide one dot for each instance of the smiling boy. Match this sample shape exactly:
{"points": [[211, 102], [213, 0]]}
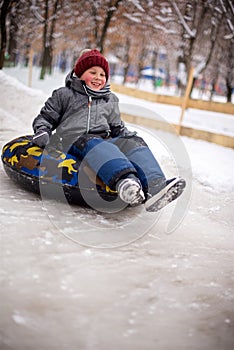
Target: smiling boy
{"points": [[86, 117]]}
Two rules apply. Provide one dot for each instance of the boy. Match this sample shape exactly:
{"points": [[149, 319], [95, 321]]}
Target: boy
{"points": [[85, 114]]}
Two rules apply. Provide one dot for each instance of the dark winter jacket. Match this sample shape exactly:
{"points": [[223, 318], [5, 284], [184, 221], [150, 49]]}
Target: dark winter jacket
{"points": [[76, 109]]}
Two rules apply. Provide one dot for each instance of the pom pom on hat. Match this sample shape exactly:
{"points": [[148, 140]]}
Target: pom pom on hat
{"points": [[91, 58]]}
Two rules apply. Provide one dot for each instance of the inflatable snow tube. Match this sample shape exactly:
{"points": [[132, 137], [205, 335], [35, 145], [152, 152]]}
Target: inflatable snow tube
{"points": [[34, 168]]}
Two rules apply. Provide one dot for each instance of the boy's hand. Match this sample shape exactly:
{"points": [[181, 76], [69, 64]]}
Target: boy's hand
{"points": [[117, 129], [41, 138]]}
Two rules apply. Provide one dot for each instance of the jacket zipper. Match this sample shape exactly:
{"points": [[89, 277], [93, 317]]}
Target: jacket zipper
{"points": [[89, 114], [89, 110]]}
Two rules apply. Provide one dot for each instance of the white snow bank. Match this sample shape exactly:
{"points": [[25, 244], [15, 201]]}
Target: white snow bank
{"points": [[13, 82], [212, 165], [19, 104]]}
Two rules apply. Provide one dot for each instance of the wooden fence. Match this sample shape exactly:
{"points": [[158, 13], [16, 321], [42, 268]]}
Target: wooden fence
{"points": [[220, 139], [174, 100]]}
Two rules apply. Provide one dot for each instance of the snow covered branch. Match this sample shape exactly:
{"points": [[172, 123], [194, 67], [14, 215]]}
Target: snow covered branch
{"points": [[191, 33], [34, 10], [229, 22], [137, 4]]}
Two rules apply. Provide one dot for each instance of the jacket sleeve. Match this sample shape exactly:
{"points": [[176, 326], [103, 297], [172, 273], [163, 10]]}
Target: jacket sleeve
{"points": [[50, 115]]}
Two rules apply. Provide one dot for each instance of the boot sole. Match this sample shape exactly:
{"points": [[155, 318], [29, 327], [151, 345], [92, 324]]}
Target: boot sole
{"points": [[168, 194]]}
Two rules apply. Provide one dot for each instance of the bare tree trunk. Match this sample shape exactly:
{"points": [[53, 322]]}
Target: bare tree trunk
{"points": [[110, 12], [126, 60], [45, 50], [214, 33], [154, 67], [229, 88], [94, 12], [47, 57], [52, 29], [230, 74], [4, 11], [100, 34], [141, 59], [12, 45]]}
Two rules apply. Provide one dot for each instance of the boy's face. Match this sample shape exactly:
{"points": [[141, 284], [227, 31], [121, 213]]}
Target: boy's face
{"points": [[94, 77]]}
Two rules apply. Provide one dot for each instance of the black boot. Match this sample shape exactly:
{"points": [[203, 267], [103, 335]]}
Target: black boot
{"points": [[163, 194]]}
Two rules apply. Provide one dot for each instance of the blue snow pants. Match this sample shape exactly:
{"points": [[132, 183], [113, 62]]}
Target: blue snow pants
{"points": [[116, 158]]}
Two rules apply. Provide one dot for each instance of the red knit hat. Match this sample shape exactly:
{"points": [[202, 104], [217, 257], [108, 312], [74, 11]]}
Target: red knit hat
{"points": [[90, 59]]}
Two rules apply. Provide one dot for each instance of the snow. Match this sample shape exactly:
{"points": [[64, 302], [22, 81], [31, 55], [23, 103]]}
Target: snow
{"points": [[75, 278]]}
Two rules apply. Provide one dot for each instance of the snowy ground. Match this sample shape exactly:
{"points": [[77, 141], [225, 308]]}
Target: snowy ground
{"points": [[152, 290]]}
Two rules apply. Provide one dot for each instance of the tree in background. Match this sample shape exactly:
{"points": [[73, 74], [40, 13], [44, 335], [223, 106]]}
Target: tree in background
{"points": [[6, 6], [102, 13], [201, 29], [230, 71], [49, 21], [227, 46], [191, 32]]}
